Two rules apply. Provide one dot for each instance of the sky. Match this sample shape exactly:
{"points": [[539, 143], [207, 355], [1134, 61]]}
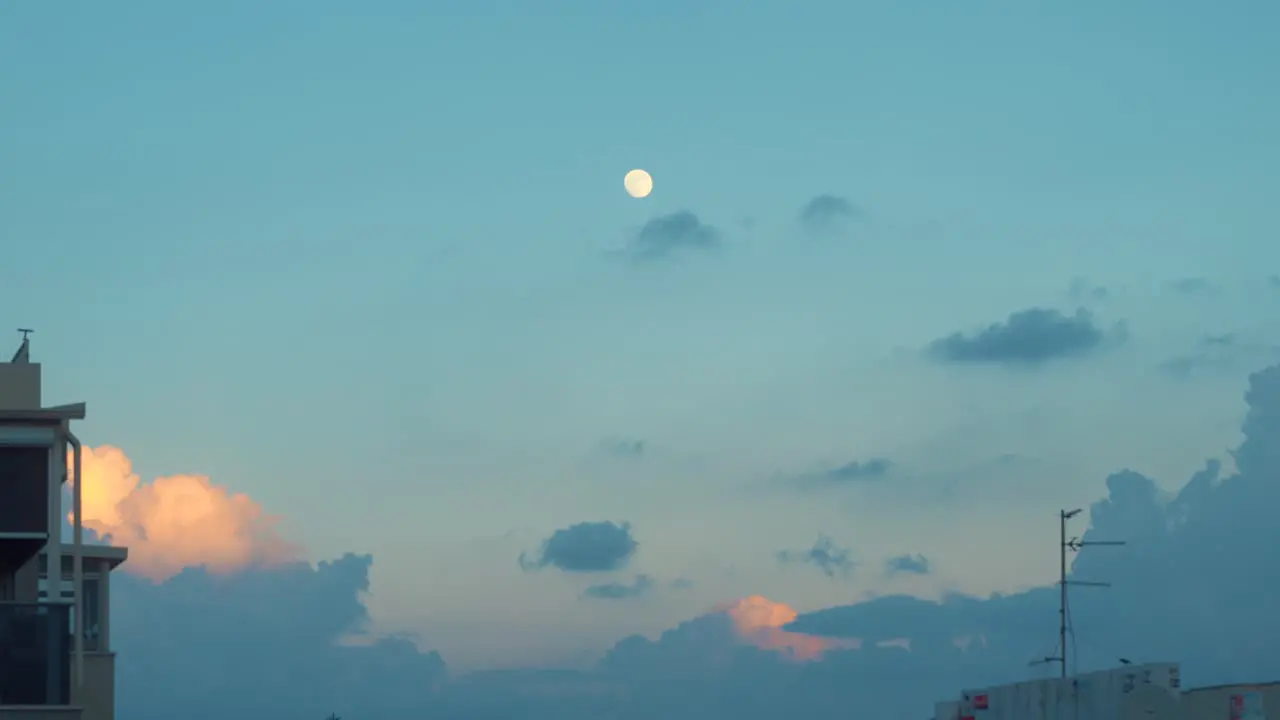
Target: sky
{"points": [[370, 332]]}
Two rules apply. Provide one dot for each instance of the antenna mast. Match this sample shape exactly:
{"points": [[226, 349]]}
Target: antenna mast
{"points": [[1073, 545]]}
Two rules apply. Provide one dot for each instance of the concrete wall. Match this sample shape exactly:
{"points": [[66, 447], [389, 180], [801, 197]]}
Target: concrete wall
{"points": [[1117, 694], [27, 582], [1214, 703], [19, 386], [98, 693]]}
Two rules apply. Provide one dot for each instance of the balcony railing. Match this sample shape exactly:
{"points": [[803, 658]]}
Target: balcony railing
{"points": [[35, 653]]}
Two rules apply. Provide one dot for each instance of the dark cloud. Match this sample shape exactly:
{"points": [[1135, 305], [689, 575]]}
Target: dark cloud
{"points": [[620, 591], [1193, 286], [1212, 352], [235, 646], [850, 473], [825, 212], [1192, 583], [1028, 337], [1084, 292], [624, 448], [585, 547], [824, 555], [908, 564], [666, 235], [1215, 354]]}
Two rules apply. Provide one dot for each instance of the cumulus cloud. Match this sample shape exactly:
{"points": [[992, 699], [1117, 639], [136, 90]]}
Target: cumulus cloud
{"points": [[585, 547], [235, 645], [666, 235], [1192, 584], [908, 564], [620, 591], [761, 622], [1027, 337], [824, 555], [213, 612], [176, 522], [826, 212]]}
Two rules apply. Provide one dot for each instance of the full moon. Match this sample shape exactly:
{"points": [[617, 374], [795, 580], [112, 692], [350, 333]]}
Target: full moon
{"points": [[638, 183]]}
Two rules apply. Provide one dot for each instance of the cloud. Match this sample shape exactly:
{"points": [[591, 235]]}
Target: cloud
{"points": [[1191, 583], [1212, 352], [624, 448], [706, 649], [666, 235], [761, 622], [1084, 292], [850, 473], [208, 570], [1194, 286], [620, 591], [177, 521], [1215, 353], [908, 564], [825, 212], [824, 555], [1028, 337], [234, 645], [585, 547]]}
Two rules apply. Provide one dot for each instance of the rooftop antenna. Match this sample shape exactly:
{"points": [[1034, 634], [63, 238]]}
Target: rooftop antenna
{"points": [[1064, 617], [24, 350]]}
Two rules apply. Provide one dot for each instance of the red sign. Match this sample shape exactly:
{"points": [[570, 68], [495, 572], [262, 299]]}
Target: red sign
{"points": [[979, 702]]}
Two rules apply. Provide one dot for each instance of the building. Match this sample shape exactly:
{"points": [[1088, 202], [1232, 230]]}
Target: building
{"points": [[1232, 702], [1129, 692], [55, 652]]}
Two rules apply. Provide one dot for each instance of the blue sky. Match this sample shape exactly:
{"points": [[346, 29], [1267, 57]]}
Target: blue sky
{"points": [[368, 265]]}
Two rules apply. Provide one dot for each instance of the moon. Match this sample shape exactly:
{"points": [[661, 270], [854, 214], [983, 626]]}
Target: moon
{"points": [[638, 183]]}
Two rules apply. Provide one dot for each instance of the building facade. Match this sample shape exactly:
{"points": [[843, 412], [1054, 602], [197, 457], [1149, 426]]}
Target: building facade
{"points": [[55, 653], [1129, 692]]}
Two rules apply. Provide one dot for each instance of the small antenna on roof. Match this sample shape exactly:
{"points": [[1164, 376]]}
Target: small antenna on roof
{"points": [[24, 350]]}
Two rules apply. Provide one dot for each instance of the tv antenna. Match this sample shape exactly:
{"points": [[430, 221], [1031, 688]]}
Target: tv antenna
{"points": [[1064, 617], [24, 350]]}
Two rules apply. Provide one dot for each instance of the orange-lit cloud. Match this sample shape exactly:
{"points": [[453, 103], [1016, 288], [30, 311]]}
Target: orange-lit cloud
{"points": [[177, 521], [758, 621]]}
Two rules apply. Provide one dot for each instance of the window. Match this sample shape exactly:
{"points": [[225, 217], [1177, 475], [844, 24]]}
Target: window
{"points": [[92, 607]]}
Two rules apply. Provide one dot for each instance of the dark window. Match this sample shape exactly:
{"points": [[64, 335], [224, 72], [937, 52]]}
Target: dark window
{"points": [[35, 654], [24, 489]]}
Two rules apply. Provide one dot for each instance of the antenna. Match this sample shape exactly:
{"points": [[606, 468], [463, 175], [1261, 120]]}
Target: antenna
{"points": [[24, 350], [1064, 618]]}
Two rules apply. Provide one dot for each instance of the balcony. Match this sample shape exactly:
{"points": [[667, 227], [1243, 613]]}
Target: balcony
{"points": [[35, 654]]}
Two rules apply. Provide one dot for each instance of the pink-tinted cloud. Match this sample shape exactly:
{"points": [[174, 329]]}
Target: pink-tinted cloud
{"points": [[758, 621], [177, 521]]}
